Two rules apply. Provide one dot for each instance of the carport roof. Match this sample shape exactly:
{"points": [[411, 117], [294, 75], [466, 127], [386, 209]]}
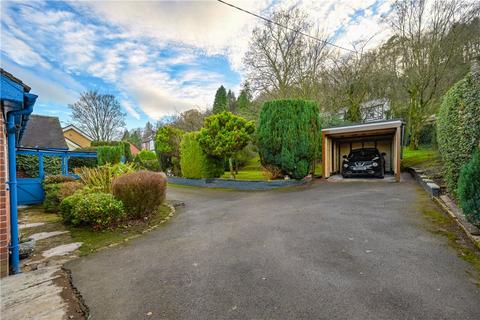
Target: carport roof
{"points": [[380, 125]]}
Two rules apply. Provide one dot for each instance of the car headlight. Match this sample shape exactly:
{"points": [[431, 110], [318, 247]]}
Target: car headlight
{"points": [[375, 164], [345, 165]]}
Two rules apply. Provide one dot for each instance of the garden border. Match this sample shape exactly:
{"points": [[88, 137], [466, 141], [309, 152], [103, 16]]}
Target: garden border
{"points": [[435, 193], [245, 185]]}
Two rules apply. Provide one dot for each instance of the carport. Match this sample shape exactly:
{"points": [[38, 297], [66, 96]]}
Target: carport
{"points": [[386, 136]]}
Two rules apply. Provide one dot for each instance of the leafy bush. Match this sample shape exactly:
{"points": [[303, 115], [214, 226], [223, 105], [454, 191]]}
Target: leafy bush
{"points": [[68, 205], [101, 177], [55, 192], [288, 135], [458, 127], [28, 165], [68, 188], [469, 189], [141, 192], [167, 147], [109, 154], [51, 201], [195, 163], [147, 160], [146, 155], [99, 210], [224, 135], [57, 179]]}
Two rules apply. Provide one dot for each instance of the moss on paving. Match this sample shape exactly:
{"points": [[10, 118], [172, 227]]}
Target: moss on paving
{"points": [[441, 224], [94, 240]]}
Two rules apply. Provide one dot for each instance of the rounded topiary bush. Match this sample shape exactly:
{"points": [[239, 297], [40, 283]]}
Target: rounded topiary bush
{"points": [[141, 192], [288, 133], [469, 189], [194, 162], [458, 127]]}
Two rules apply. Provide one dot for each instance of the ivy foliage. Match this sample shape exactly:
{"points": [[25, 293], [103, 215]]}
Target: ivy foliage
{"points": [[225, 134], [469, 189], [458, 127], [288, 134], [167, 147], [194, 162], [28, 165]]}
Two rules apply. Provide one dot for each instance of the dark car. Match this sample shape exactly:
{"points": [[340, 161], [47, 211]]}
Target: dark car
{"points": [[364, 162]]}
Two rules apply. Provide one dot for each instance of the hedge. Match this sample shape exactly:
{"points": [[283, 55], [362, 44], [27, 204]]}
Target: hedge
{"points": [[288, 134], [108, 154], [141, 192], [458, 127], [194, 163], [469, 189]]}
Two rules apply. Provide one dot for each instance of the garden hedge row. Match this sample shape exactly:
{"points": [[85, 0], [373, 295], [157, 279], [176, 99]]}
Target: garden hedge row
{"points": [[458, 127]]}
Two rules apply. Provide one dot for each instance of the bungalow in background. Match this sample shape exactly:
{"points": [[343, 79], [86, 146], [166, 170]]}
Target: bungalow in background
{"points": [[76, 138]]}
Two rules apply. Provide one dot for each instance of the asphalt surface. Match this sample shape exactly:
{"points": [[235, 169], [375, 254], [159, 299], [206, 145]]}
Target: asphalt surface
{"points": [[328, 251]]}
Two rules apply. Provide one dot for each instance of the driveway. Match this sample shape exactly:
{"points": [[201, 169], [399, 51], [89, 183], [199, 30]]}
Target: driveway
{"points": [[329, 251]]}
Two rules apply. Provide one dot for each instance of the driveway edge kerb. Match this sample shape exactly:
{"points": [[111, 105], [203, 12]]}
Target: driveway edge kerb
{"points": [[434, 191], [245, 185], [475, 239]]}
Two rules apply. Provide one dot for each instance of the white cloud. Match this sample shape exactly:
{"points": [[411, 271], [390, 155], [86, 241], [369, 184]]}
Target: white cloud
{"points": [[130, 109], [21, 52]]}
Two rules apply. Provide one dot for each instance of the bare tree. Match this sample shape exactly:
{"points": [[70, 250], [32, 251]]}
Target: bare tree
{"points": [[98, 115], [190, 120], [281, 62], [427, 41]]}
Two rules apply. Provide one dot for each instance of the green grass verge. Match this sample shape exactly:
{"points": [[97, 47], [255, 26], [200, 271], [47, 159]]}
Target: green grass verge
{"points": [[423, 157], [94, 240]]}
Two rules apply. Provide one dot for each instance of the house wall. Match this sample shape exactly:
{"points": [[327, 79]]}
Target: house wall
{"points": [[4, 201], [77, 138]]}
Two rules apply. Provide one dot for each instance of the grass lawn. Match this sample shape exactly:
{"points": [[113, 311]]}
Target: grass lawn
{"points": [[251, 171], [254, 171], [425, 158]]}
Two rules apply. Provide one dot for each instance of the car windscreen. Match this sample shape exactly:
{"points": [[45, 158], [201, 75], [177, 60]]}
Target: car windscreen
{"points": [[363, 154]]}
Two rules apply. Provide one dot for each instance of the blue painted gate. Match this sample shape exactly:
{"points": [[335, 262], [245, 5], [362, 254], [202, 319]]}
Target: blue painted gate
{"points": [[30, 191]]}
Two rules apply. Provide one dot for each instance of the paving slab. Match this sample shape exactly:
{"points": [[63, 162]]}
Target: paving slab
{"points": [[46, 235], [33, 295], [62, 250]]}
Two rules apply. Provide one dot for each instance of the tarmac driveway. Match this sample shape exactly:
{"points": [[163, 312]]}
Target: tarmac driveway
{"points": [[328, 251]]}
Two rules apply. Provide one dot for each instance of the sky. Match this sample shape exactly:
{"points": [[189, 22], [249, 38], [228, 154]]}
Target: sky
{"points": [[157, 57]]}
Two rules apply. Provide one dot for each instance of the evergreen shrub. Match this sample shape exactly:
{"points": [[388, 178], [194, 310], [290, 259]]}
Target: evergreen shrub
{"points": [[194, 162], [469, 189], [288, 136]]}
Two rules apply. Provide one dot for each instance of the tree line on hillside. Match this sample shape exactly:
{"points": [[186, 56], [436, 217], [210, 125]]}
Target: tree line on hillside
{"points": [[432, 46]]}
